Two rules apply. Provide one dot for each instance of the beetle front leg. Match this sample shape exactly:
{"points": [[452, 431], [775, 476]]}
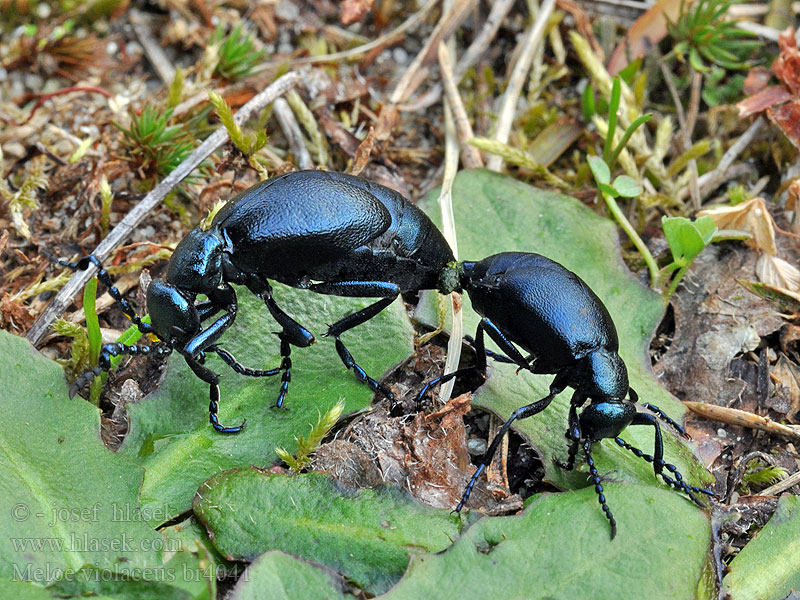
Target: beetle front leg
{"points": [[573, 434], [212, 379]]}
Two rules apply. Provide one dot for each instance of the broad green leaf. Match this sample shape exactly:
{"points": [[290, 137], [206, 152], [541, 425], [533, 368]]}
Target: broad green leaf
{"points": [[170, 435], [366, 535], [278, 576], [494, 214], [600, 169], [627, 187], [22, 590], [67, 501], [768, 567], [687, 238], [559, 547]]}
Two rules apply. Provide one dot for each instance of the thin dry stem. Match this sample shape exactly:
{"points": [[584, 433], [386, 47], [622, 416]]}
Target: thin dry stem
{"points": [[528, 47]]}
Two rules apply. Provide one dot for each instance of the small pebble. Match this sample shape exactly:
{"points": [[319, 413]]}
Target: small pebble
{"points": [[112, 48], [400, 56], [43, 10], [722, 433], [476, 446]]}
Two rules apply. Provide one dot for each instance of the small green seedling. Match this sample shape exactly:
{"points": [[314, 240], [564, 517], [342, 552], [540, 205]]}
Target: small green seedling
{"points": [[686, 239], [307, 446]]}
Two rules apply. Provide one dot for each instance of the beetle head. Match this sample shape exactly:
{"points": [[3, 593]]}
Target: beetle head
{"points": [[605, 382], [196, 265], [172, 313]]}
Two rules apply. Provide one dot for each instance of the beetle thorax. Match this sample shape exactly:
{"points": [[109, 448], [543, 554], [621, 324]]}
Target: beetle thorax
{"points": [[604, 375], [196, 265]]}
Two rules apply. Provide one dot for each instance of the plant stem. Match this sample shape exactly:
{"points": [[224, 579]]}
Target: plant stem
{"points": [[675, 281], [615, 210]]}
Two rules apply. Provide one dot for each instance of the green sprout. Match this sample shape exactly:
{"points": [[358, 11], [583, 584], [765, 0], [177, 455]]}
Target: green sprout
{"points": [[237, 56], [702, 33], [157, 147], [306, 446]]}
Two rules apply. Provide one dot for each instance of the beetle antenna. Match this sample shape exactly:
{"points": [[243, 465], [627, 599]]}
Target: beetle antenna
{"points": [[664, 417], [598, 486], [104, 278]]}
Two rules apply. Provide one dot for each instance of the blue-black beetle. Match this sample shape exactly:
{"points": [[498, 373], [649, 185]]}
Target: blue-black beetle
{"points": [[531, 301], [329, 233]]}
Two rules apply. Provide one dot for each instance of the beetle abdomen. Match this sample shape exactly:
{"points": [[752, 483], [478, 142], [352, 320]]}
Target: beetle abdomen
{"points": [[541, 306], [291, 223]]}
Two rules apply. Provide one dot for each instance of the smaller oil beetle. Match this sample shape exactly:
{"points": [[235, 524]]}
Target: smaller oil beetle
{"points": [[531, 301], [329, 233]]}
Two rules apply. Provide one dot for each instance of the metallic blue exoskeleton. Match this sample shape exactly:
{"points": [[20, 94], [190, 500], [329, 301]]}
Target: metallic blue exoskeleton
{"points": [[530, 301], [329, 233]]}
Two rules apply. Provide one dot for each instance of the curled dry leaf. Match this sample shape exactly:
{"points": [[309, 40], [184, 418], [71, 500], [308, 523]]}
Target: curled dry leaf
{"points": [[751, 216], [778, 273], [781, 103]]}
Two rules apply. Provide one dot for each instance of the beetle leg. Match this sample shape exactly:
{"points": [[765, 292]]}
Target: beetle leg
{"points": [[521, 413], [210, 334], [229, 360], [598, 486], [505, 345], [664, 417], [212, 379], [658, 460], [481, 352], [369, 289], [296, 334], [573, 433], [116, 349]]}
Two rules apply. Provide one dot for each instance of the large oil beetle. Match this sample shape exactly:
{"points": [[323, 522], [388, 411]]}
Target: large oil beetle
{"points": [[326, 232], [532, 302]]}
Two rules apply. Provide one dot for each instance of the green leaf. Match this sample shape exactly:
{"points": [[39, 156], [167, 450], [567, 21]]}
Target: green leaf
{"points": [[22, 590], [587, 103], [687, 238], [68, 501], [170, 435], [517, 217], [366, 534], [289, 578], [627, 187], [768, 567], [600, 170], [559, 548]]}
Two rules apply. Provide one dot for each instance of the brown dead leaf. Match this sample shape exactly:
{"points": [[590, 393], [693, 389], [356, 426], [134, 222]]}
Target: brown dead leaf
{"points": [[756, 80], [14, 314], [787, 66], [649, 29], [761, 101], [352, 11], [363, 152], [786, 399], [787, 117], [784, 300], [782, 104], [751, 216], [778, 273]]}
